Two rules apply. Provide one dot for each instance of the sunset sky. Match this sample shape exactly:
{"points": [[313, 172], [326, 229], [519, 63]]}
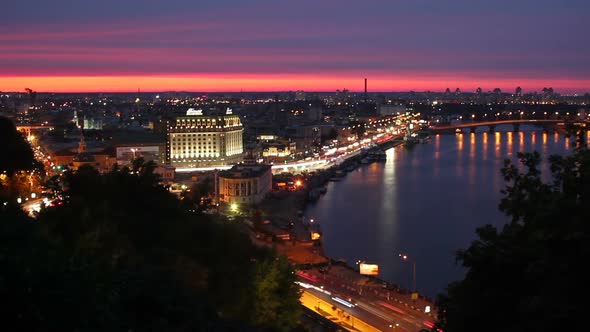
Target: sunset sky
{"points": [[271, 45]]}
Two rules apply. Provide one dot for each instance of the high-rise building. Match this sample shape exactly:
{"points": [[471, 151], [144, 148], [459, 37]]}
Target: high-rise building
{"points": [[300, 95], [203, 139]]}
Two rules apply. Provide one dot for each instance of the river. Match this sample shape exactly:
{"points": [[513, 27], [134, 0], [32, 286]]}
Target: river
{"points": [[425, 201]]}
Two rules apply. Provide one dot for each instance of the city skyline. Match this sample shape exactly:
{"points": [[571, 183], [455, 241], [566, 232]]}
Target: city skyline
{"points": [[280, 46]]}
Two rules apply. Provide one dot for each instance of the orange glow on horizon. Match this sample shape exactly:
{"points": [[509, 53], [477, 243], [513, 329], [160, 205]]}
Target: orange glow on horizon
{"points": [[272, 82]]}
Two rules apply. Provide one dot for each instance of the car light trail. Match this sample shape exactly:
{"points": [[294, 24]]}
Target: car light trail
{"points": [[341, 301]]}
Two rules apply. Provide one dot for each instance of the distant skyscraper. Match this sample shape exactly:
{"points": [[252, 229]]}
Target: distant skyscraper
{"points": [[518, 92], [548, 93], [300, 95]]}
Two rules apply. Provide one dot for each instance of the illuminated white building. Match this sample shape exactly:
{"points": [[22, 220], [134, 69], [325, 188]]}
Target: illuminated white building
{"points": [[92, 123], [245, 184], [204, 139], [278, 149]]}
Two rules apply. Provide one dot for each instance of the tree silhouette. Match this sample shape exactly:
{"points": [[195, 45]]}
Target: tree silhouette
{"points": [[19, 155], [530, 275], [274, 283], [121, 254]]}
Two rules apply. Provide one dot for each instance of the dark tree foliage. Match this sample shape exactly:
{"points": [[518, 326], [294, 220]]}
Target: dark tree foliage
{"points": [[277, 304], [16, 152], [532, 274], [119, 254], [332, 135], [196, 197]]}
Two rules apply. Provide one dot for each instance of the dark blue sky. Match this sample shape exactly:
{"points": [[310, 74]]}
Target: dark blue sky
{"points": [[397, 44]]}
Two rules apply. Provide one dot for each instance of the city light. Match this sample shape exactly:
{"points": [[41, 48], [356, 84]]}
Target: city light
{"points": [[275, 139], [344, 302], [406, 258]]}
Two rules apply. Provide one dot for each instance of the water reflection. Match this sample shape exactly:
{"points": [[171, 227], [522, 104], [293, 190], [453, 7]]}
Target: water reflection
{"points": [[460, 138], [437, 154], [387, 224], [472, 145], [485, 145], [426, 201], [544, 146], [472, 159], [498, 141]]}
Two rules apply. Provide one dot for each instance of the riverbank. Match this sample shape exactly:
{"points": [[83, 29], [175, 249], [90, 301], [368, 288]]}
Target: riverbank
{"points": [[319, 179], [427, 204], [286, 207], [286, 210]]}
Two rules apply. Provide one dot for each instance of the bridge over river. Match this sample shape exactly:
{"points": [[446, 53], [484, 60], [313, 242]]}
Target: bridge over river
{"points": [[547, 124]]}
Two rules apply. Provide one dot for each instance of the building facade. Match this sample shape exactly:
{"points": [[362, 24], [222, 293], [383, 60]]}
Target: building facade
{"points": [[244, 184], [278, 149], [166, 173], [100, 160], [129, 152], [204, 139]]}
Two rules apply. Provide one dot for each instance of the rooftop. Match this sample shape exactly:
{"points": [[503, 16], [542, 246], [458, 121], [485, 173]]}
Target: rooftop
{"points": [[243, 171]]}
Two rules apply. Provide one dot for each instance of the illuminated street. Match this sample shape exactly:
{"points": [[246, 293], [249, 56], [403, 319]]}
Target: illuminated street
{"points": [[370, 311], [309, 166], [381, 131]]}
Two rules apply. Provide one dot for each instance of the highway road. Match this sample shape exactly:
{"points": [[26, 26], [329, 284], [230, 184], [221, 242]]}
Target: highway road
{"points": [[367, 312]]}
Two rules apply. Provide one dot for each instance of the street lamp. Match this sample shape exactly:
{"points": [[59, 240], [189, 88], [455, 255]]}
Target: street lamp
{"points": [[234, 207], [405, 257]]}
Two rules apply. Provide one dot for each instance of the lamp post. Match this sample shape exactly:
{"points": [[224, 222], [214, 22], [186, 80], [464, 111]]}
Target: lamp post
{"points": [[359, 262], [405, 257]]}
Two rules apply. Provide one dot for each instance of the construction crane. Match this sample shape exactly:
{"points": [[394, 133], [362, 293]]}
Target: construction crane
{"points": [[32, 96]]}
